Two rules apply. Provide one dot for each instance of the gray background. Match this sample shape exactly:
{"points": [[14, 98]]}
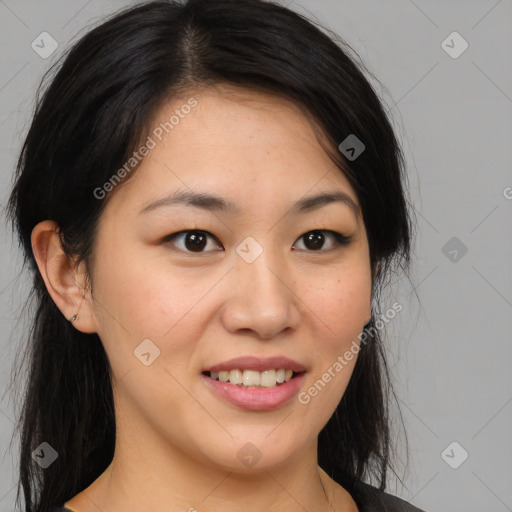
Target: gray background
{"points": [[450, 347]]}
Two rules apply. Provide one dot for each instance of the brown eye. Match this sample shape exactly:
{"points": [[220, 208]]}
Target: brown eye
{"points": [[191, 240], [314, 240]]}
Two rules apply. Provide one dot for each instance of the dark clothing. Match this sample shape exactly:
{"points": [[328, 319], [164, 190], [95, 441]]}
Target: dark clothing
{"points": [[370, 499], [367, 497]]}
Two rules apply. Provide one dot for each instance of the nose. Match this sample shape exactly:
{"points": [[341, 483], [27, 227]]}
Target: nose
{"points": [[262, 298]]}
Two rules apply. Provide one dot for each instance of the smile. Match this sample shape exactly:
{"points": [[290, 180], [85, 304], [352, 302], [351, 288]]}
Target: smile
{"points": [[252, 378], [255, 383]]}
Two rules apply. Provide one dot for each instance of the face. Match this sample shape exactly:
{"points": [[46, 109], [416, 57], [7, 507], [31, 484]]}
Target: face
{"points": [[181, 287]]}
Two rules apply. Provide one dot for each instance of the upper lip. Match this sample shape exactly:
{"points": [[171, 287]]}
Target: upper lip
{"points": [[258, 364]]}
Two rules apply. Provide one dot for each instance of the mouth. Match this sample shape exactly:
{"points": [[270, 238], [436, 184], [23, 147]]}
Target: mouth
{"points": [[253, 379], [254, 383]]}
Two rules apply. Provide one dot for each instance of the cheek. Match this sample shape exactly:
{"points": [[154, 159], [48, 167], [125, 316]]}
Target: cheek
{"points": [[140, 313], [135, 292], [341, 304], [139, 298], [341, 307]]}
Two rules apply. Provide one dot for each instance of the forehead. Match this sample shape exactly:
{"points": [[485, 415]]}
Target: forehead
{"points": [[237, 142], [231, 117]]}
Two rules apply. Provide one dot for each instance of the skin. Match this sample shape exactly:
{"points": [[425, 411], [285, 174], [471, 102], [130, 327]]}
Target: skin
{"points": [[177, 442]]}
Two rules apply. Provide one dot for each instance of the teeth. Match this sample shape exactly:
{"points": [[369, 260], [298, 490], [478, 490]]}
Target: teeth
{"points": [[268, 379], [252, 378], [235, 377]]}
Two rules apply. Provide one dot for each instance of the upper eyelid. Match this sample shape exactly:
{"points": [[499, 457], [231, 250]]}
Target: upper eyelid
{"points": [[331, 232]]}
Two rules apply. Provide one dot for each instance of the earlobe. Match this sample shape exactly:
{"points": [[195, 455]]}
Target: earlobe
{"points": [[65, 283]]}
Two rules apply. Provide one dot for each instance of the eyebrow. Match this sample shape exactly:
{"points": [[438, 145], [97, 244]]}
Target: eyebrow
{"points": [[212, 202]]}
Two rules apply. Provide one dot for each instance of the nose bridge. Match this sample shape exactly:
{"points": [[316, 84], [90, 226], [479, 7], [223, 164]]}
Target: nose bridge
{"points": [[262, 299]]}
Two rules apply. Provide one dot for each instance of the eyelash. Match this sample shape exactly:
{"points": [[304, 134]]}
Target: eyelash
{"points": [[340, 240]]}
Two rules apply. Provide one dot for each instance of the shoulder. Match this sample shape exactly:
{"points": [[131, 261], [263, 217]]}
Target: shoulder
{"points": [[371, 499]]}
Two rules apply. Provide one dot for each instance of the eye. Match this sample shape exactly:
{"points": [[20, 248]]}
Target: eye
{"points": [[197, 240], [315, 239], [193, 240]]}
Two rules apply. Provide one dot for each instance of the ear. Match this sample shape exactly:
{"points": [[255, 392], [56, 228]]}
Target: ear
{"points": [[66, 283]]}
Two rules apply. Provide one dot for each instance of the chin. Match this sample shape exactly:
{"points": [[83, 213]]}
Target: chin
{"points": [[261, 452]]}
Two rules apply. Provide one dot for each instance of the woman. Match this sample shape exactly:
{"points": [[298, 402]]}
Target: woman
{"points": [[210, 197]]}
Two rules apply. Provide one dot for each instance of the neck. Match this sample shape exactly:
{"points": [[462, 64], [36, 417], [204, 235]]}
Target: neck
{"points": [[191, 485], [151, 472], [142, 479]]}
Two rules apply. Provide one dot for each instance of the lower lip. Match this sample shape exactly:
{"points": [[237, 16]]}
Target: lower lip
{"points": [[256, 399]]}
